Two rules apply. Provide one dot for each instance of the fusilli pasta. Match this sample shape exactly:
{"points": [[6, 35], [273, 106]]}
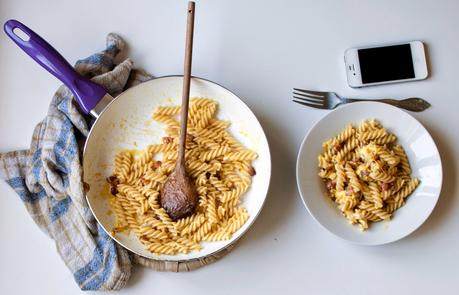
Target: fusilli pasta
{"points": [[366, 173], [220, 166]]}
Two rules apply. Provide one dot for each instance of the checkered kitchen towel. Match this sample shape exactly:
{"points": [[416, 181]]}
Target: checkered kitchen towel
{"points": [[48, 177]]}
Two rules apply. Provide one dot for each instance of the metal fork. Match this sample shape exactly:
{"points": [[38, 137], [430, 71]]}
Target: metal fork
{"points": [[330, 100]]}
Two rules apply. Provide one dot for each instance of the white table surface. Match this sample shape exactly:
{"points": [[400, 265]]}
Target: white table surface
{"points": [[260, 50]]}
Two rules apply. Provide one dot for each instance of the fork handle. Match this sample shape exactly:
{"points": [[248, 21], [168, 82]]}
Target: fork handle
{"points": [[414, 104]]}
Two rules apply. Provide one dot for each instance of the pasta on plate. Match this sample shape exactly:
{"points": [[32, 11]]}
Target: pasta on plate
{"points": [[220, 166], [367, 174]]}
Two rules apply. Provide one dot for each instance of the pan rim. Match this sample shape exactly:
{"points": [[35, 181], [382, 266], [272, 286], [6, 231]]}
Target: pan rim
{"points": [[242, 233]]}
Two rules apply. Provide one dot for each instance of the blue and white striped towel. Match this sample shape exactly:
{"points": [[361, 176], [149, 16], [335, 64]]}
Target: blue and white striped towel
{"points": [[48, 177]]}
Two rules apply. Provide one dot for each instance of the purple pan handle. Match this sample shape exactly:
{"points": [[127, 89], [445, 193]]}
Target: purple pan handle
{"points": [[87, 93]]}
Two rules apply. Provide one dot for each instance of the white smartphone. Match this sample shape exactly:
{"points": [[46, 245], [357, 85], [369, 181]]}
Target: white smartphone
{"points": [[390, 63]]}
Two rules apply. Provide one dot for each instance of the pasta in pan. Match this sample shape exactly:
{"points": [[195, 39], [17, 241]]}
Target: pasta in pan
{"points": [[366, 173], [220, 166]]}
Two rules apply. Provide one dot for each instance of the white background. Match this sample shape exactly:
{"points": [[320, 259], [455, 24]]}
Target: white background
{"points": [[260, 50]]}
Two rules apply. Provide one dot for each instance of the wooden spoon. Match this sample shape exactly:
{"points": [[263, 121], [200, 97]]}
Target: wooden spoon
{"points": [[178, 196]]}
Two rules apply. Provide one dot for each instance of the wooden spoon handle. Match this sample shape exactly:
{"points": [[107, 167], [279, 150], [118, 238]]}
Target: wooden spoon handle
{"points": [[186, 83]]}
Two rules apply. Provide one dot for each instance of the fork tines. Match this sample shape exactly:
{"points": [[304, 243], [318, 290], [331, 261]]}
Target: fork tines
{"points": [[315, 99]]}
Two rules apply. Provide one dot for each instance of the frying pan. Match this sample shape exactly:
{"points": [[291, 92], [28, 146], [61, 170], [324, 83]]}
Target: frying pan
{"points": [[125, 122]]}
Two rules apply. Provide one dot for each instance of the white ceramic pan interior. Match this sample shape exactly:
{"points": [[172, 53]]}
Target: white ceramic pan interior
{"points": [[127, 124]]}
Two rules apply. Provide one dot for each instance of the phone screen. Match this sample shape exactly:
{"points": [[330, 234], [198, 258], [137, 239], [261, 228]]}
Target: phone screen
{"points": [[386, 63]]}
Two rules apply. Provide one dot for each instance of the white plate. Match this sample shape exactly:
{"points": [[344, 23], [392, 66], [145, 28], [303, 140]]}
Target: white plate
{"points": [[127, 124], [423, 156]]}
